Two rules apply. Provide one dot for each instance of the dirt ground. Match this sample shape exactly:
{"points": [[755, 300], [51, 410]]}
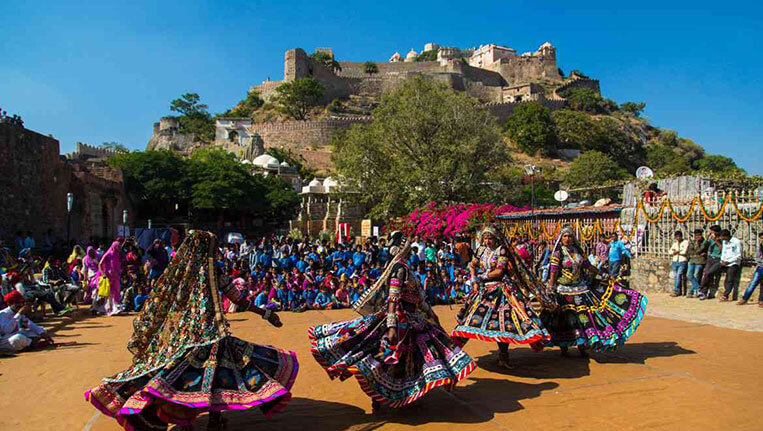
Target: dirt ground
{"points": [[672, 375]]}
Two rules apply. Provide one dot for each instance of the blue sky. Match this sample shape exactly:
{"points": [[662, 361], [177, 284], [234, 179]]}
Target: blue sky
{"points": [[105, 71]]}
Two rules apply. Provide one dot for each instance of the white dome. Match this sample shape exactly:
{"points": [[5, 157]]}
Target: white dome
{"points": [[411, 55], [246, 162], [329, 182], [314, 187], [285, 165], [266, 161]]}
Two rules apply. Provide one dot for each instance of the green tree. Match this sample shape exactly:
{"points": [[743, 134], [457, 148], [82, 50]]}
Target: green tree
{"points": [[427, 142], [219, 181], [635, 109], [718, 164], [530, 127], [575, 129], [297, 97], [588, 100], [246, 107], [430, 55], [153, 180], [327, 60], [114, 146], [194, 117], [666, 161], [370, 68], [593, 168]]}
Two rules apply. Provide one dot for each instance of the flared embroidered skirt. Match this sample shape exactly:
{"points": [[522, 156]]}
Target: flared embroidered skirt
{"points": [[499, 312], [424, 358], [601, 318], [230, 374]]}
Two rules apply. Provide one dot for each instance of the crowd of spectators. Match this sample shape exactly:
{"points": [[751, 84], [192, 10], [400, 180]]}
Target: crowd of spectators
{"points": [[699, 262]]}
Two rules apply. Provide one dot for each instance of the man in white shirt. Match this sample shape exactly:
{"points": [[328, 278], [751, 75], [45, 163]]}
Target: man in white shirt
{"points": [[731, 259], [679, 261], [17, 332]]}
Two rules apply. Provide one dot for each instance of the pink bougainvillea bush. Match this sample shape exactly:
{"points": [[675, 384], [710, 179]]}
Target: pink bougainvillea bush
{"points": [[437, 221]]}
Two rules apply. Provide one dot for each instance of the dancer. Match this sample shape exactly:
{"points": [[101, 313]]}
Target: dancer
{"points": [[499, 309], [592, 313], [397, 350], [186, 361]]}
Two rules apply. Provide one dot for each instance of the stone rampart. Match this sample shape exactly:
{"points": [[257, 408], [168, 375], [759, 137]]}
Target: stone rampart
{"points": [[310, 139], [34, 181]]}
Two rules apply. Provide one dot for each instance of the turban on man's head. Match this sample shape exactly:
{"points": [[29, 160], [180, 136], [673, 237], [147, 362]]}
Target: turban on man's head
{"points": [[13, 297]]}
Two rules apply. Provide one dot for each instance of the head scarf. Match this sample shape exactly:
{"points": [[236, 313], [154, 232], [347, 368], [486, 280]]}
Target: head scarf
{"points": [[184, 309], [567, 229], [492, 231], [13, 297], [77, 253], [90, 262], [111, 261], [375, 296]]}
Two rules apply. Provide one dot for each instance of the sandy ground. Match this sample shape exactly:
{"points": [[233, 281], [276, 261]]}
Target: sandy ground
{"points": [[672, 375]]}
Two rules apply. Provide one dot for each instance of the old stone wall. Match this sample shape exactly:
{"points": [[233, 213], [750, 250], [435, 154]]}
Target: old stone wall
{"points": [[309, 139], [519, 69], [356, 69], [650, 274], [34, 181], [593, 84]]}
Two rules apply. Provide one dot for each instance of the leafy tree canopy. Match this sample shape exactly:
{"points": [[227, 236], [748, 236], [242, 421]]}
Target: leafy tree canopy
{"points": [[635, 109], [297, 97], [593, 168], [430, 55], [530, 127], [718, 164], [588, 100], [194, 117], [666, 161], [427, 142], [246, 107], [211, 180]]}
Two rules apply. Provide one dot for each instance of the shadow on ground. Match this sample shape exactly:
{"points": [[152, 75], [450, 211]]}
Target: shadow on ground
{"points": [[476, 400]]}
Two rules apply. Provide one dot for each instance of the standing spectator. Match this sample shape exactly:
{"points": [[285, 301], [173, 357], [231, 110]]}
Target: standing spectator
{"points": [[617, 251], [697, 255], [602, 251], [713, 268], [757, 276], [159, 261], [731, 259], [679, 261]]}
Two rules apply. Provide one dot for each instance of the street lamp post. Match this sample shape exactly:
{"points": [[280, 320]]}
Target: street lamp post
{"points": [[149, 223], [69, 205], [124, 221]]}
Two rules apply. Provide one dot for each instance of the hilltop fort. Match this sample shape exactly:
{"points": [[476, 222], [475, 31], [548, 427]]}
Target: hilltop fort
{"points": [[495, 75]]}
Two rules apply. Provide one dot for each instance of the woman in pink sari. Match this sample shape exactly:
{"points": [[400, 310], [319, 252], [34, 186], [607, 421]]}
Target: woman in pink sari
{"points": [[111, 267]]}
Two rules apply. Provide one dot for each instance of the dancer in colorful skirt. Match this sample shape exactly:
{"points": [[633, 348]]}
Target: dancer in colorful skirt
{"points": [[397, 350], [591, 313], [185, 360], [499, 308]]}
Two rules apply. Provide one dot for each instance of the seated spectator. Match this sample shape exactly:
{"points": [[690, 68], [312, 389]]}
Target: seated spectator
{"points": [[17, 332], [323, 301], [140, 298]]}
